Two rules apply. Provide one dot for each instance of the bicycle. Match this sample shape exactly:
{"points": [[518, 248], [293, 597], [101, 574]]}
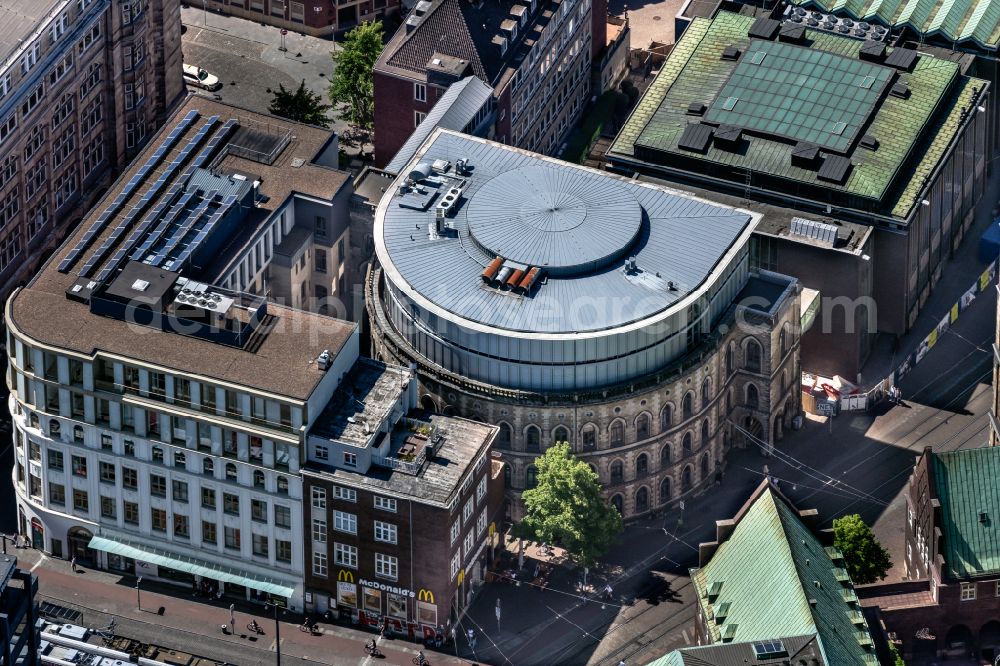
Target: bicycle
{"points": [[417, 662], [255, 628], [107, 633]]}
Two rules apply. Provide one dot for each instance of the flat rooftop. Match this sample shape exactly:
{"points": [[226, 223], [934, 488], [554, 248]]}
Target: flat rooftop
{"points": [[364, 399], [563, 231], [828, 118], [18, 19], [212, 171], [460, 443]]}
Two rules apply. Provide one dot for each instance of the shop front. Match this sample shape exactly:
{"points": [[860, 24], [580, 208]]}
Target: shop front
{"points": [[375, 605]]}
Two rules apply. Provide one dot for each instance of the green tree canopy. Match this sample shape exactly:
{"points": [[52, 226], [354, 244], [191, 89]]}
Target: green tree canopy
{"points": [[566, 507], [867, 561], [301, 105], [351, 85]]}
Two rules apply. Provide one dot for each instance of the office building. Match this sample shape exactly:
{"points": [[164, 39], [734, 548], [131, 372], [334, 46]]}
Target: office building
{"points": [[83, 84], [562, 303], [19, 635], [838, 129], [160, 400]]}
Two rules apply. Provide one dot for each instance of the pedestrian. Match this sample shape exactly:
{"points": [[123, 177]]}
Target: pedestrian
{"points": [[607, 591], [72, 564]]}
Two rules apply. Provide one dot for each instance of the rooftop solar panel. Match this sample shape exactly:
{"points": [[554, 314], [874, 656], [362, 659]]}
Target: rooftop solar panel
{"points": [[170, 244], [800, 94], [166, 223], [190, 247]]}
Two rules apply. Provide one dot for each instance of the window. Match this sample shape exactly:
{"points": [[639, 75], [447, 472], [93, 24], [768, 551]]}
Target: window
{"points": [[180, 459], [231, 504], [503, 437], [420, 92], [283, 550], [159, 520], [753, 397], [258, 510], [260, 545], [753, 356], [350, 459], [57, 494], [157, 485], [617, 471], [7, 127], [282, 485], [32, 100], [55, 460], [231, 473], [180, 491], [641, 466], [687, 407], [456, 564], [345, 555], [208, 533], [531, 477], [968, 592], [386, 566], [456, 529], [232, 537], [347, 494], [258, 476], [481, 489], [131, 512], [418, 117], [282, 516], [996, 591], [319, 563], [533, 439], [320, 260], [60, 69], [79, 466], [208, 498], [130, 478], [182, 527], [107, 472], [481, 522], [467, 510], [322, 453], [319, 498], [106, 444], [89, 39], [345, 522], [469, 543], [108, 507], [319, 530], [208, 467], [385, 532]]}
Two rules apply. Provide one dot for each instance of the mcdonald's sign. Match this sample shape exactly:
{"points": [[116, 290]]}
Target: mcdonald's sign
{"points": [[425, 595], [493, 529], [461, 576], [345, 575]]}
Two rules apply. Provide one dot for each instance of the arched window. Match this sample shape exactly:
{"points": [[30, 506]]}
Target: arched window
{"points": [[753, 397], [33, 419], [560, 434], [258, 476], [282, 485], [532, 439], [666, 416], [616, 501], [730, 354], [593, 468], [503, 437], [231, 471], [641, 466], [665, 490], [588, 436], [688, 406], [704, 432], [753, 356], [616, 433], [617, 472], [665, 456], [704, 467], [531, 477], [783, 341], [642, 427], [686, 443], [506, 476], [54, 428], [706, 392], [784, 381], [686, 479], [642, 500], [208, 467]]}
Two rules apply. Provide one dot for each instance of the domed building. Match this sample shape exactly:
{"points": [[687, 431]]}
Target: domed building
{"points": [[563, 303]]}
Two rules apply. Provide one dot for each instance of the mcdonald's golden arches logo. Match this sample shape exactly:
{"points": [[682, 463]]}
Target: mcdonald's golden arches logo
{"points": [[345, 575], [461, 576], [493, 529], [425, 595]]}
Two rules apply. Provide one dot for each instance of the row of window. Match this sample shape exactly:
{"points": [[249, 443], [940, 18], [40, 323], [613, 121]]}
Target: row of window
{"points": [[386, 566], [343, 493]]}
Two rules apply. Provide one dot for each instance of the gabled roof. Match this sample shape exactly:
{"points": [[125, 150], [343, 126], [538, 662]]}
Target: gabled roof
{"points": [[966, 485], [444, 30], [454, 110], [976, 21], [803, 650], [772, 578]]}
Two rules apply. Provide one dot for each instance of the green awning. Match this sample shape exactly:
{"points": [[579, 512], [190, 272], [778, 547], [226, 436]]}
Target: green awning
{"points": [[145, 553]]}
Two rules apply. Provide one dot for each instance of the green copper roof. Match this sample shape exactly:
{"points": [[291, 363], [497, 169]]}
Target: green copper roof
{"points": [[954, 20], [773, 578], [966, 484], [800, 93], [913, 133]]}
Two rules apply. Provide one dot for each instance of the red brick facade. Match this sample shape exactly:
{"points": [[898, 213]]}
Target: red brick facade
{"points": [[396, 107]]}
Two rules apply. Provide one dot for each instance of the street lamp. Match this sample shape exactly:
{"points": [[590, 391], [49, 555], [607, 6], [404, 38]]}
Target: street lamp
{"points": [[277, 632], [138, 597]]}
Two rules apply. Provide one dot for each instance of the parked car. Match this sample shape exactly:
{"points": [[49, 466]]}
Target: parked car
{"points": [[198, 77]]}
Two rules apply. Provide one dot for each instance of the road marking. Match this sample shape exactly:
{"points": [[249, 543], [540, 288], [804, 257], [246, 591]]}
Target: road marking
{"points": [[684, 633], [41, 560], [274, 644]]}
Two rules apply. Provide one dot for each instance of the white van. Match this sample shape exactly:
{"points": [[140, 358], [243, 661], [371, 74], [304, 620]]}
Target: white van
{"points": [[196, 76]]}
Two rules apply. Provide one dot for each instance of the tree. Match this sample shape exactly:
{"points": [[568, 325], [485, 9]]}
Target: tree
{"points": [[897, 659], [302, 105], [867, 561], [566, 507], [351, 86]]}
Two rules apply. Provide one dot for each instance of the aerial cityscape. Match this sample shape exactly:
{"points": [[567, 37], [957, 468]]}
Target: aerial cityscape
{"points": [[507, 332]]}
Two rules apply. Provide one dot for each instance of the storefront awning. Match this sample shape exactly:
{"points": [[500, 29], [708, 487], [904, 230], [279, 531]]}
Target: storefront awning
{"points": [[190, 565]]}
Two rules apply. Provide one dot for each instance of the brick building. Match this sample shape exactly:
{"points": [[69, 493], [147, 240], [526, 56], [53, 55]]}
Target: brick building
{"points": [[949, 603], [535, 54], [401, 508], [83, 84], [320, 18]]}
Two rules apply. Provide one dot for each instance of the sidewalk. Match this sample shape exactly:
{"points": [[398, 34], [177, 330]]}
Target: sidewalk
{"points": [[194, 625]]}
